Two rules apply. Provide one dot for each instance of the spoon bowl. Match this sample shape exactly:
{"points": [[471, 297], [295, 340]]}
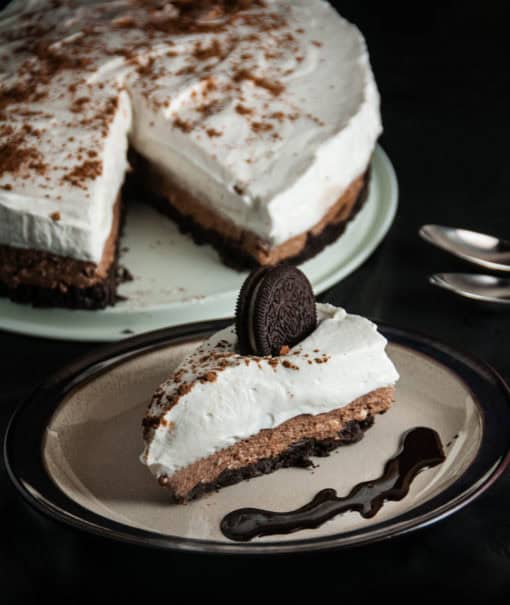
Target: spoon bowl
{"points": [[483, 250], [483, 288]]}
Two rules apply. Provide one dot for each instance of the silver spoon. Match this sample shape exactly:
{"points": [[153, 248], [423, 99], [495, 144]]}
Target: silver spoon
{"points": [[485, 250], [484, 288]]}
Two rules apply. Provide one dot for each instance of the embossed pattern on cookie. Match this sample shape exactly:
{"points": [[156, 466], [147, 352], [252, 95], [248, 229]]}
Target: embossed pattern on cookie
{"points": [[276, 308]]}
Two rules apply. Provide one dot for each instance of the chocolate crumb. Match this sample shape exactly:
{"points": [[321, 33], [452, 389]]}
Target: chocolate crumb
{"points": [[123, 275], [291, 366], [243, 110], [261, 126], [212, 133], [202, 53], [124, 22], [183, 125], [78, 104], [168, 424], [184, 389], [186, 71]]}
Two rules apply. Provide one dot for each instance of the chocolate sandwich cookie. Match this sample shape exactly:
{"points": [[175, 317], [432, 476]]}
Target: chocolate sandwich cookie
{"points": [[275, 308]]}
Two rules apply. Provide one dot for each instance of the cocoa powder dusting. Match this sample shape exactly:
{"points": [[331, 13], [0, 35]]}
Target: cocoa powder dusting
{"points": [[209, 109], [261, 126], [275, 88], [87, 171], [203, 53], [184, 389], [182, 125], [44, 58], [78, 104], [18, 157], [243, 110]]}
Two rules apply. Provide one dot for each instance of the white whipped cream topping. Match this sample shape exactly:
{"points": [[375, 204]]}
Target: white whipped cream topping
{"points": [[274, 170], [250, 394]]}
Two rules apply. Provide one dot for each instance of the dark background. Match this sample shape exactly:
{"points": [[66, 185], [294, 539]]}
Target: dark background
{"points": [[442, 70]]}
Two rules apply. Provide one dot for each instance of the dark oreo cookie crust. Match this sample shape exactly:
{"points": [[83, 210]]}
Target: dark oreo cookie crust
{"points": [[297, 455], [276, 307], [99, 296]]}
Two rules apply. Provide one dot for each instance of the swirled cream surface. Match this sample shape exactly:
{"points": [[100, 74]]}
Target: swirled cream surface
{"points": [[217, 397], [266, 113]]}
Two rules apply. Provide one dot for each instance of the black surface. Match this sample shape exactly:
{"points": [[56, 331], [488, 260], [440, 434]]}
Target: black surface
{"points": [[442, 71]]}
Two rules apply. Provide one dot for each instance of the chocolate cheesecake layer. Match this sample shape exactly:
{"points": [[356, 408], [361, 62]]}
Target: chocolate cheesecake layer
{"points": [[48, 280], [239, 248], [297, 455], [289, 444]]}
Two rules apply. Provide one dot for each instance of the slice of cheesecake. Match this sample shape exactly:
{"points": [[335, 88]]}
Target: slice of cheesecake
{"points": [[223, 417]]}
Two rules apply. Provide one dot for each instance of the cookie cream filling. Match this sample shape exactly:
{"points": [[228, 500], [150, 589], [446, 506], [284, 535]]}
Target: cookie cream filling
{"points": [[267, 114], [218, 397]]}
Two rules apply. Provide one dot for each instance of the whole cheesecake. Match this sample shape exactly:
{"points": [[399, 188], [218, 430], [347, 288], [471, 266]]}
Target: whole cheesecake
{"points": [[250, 123]]}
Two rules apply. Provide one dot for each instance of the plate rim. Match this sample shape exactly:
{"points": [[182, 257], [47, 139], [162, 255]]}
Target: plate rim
{"points": [[20, 320], [53, 502]]}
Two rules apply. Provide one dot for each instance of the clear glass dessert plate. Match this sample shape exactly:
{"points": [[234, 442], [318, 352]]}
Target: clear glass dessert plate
{"points": [[176, 281], [72, 450]]}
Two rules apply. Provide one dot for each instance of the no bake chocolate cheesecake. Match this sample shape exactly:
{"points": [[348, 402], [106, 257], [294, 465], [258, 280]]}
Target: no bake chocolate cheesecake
{"points": [[250, 123], [226, 415]]}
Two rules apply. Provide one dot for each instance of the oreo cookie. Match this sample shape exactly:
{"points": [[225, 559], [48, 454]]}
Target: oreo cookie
{"points": [[275, 308]]}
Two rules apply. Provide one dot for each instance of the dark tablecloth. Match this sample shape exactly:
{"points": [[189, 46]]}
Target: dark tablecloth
{"points": [[442, 72]]}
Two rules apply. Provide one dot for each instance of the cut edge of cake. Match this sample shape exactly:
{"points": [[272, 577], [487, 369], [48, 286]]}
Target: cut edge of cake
{"points": [[289, 445], [44, 279], [238, 247]]}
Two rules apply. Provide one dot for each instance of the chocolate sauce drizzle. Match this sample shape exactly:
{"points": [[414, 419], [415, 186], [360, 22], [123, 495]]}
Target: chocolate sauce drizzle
{"points": [[421, 449]]}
